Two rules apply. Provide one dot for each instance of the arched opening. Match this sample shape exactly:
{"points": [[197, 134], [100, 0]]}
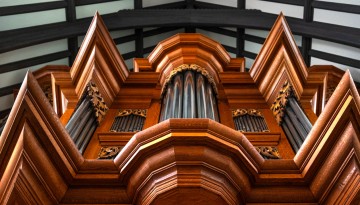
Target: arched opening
{"points": [[189, 92]]}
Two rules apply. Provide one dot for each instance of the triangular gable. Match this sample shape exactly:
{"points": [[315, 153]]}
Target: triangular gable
{"points": [[279, 60], [99, 59], [332, 148]]}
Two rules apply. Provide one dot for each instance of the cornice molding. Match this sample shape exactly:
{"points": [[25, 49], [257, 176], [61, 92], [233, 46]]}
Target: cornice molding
{"points": [[186, 48], [279, 60], [98, 57]]}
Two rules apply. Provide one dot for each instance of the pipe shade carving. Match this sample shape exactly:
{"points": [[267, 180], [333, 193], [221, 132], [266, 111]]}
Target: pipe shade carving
{"points": [[89, 112], [290, 116], [193, 67], [109, 152], [268, 152], [250, 120], [189, 93], [2, 123], [129, 120]]}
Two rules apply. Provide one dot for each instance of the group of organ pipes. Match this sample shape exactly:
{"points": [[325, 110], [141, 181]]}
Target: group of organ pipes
{"points": [[91, 109], [88, 113], [129, 120], [250, 120]]}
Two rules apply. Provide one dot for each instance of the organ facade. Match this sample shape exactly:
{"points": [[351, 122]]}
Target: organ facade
{"points": [[188, 125]]}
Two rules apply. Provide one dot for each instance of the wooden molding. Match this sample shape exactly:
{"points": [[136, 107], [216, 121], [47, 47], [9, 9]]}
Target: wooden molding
{"points": [[99, 59], [278, 61], [189, 48]]}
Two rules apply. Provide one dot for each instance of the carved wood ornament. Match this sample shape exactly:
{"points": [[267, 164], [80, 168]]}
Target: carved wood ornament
{"points": [[97, 100], [126, 112], [172, 160], [281, 100], [108, 152]]}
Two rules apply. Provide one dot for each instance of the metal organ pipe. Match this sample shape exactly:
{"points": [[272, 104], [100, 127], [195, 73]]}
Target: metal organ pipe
{"points": [[177, 107], [189, 95], [189, 101], [84, 121], [295, 124]]}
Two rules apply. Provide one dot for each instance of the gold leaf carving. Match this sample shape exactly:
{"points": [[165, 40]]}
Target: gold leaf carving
{"points": [[97, 100], [281, 100], [108, 152], [193, 67], [126, 112], [242, 112], [268, 152], [48, 92]]}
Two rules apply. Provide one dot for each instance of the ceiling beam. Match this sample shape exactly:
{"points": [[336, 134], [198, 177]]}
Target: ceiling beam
{"points": [[33, 61], [348, 8], [306, 42], [125, 19], [289, 2], [139, 33], [27, 8], [240, 32], [73, 41]]}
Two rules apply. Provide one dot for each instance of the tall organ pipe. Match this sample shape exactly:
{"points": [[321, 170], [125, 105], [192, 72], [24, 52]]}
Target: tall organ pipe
{"points": [[189, 100], [201, 96], [189, 95]]}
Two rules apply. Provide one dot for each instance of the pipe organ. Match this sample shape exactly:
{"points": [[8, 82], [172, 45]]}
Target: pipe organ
{"points": [[188, 124]]}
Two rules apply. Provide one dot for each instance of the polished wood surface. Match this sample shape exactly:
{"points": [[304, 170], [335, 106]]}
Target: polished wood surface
{"points": [[183, 161]]}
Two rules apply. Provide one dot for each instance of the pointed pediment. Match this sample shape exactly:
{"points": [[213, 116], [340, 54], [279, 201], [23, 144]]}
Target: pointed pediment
{"points": [[279, 60], [99, 59]]}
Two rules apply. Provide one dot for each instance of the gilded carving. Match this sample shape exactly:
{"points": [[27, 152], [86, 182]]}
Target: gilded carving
{"points": [[126, 112], [3, 122], [268, 152], [48, 93], [242, 112], [330, 90], [97, 100], [193, 67], [249, 120], [281, 100], [108, 152]]}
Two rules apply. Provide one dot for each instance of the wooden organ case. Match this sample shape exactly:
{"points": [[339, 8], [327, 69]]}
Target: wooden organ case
{"points": [[188, 126]]}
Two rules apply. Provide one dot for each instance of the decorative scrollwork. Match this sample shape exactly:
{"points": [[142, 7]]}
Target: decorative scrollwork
{"points": [[268, 152], [126, 112], [281, 100], [242, 112], [108, 152], [97, 101], [194, 67], [330, 90], [249, 120], [48, 92], [3, 122]]}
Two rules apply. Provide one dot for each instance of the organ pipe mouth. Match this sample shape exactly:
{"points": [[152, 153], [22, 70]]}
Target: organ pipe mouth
{"points": [[185, 67]]}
